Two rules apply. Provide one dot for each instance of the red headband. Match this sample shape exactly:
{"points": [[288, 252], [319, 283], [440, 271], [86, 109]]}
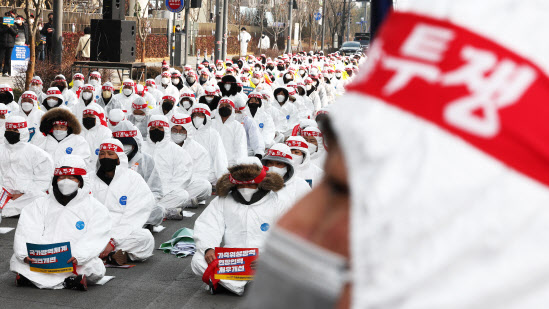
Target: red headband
{"points": [[29, 96], [91, 112], [60, 122], [168, 97], [36, 81], [109, 146], [158, 123], [3, 111], [181, 121], [188, 95], [72, 171], [143, 106], [16, 125], [78, 75], [53, 92], [255, 95], [132, 133], [278, 153], [256, 180], [202, 110], [107, 88], [311, 133], [132, 84], [226, 101], [5, 89], [293, 143]]}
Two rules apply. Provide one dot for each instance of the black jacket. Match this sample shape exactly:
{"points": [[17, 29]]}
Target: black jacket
{"points": [[7, 36], [25, 29], [48, 35]]}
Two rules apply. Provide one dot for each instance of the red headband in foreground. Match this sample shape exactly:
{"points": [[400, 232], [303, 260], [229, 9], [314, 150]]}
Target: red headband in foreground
{"points": [[256, 180]]}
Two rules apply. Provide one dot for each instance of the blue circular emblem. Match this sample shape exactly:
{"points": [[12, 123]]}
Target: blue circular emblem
{"points": [[97, 97], [261, 125], [66, 102], [80, 225], [123, 200], [265, 227], [68, 150], [97, 151], [288, 117]]}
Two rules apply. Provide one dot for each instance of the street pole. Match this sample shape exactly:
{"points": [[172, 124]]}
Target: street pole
{"points": [[262, 13], [225, 27], [343, 22], [172, 45], [323, 24], [349, 23], [289, 44], [218, 30], [57, 31], [187, 30]]}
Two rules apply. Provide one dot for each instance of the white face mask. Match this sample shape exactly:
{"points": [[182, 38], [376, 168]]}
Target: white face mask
{"points": [[278, 170], [165, 80], [127, 92], [59, 134], [338, 75], [255, 81], [139, 118], [297, 159], [301, 72], [128, 149], [280, 98], [309, 87], [52, 102], [247, 193], [191, 80], [26, 106], [86, 95], [178, 138], [39, 27], [107, 94], [288, 76], [175, 81], [186, 104], [312, 148], [35, 89], [227, 87], [67, 186], [198, 122], [94, 82], [77, 84], [219, 68], [209, 99]]}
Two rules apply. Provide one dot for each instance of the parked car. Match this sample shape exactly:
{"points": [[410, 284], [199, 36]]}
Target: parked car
{"points": [[350, 48]]}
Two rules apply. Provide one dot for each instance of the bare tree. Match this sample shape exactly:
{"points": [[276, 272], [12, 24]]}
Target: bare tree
{"points": [[279, 16], [38, 7], [143, 26]]}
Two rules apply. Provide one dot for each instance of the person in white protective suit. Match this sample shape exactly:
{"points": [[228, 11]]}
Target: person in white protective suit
{"points": [[165, 87], [151, 88], [166, 106], [309, 107], [264, 42], [174, 165], [182, 130], [165, 68], [297, 101], [177, 81], [254, 109], [54, 99], [143, 92], [210, 139], [279, 119], [77, 83], [287, 109], [61, 83], [115, 117], [130, 202], [139, 115], [302, 161], [141, 163], [191, 82], [37, 86], [107, 99], [279, 160], [315, 140], [25, 169], [231, 131], [244, 38], [62, 131], [95, 131], [241, 216], [6, 97], [186, 101], [254, 138], [3, 116], [338, 82], [86, 98], [127, 95], [95, 80], [30, 112], [69, 214]]}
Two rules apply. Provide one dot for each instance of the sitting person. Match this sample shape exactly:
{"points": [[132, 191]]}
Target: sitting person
{"points": [[315, 140], [95, 131], [25, 169], [279, 160], [129, 200], [302, 161], [239, 217], [70, 214]]}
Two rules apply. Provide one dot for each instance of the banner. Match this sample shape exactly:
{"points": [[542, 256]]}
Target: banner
{"points": [[8, 21], [50, 258], [247, 89], [235, 263], [20, 57]]}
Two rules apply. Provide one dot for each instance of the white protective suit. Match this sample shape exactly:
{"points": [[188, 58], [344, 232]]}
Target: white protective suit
{"points": [[200, 187], [96, 135], [140, 122], [130, 202], [306, 170], [237, 225], [108, 104], [3, 111], [264, 121], [84, 222], [174, 165], [145, 94], [10, 103], [24, 168], [210, 139], [38, 89], [81, 105], [152, 89], [244, 38], [126, 100], [232, 134], [166, 89], [70, 96], [289, 112], [264, 42], [33, 119], [254, 138], [319, 156]]}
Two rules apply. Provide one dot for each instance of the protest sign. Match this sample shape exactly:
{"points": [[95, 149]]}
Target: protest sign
{"points": [[235, 263], [51, 258]]}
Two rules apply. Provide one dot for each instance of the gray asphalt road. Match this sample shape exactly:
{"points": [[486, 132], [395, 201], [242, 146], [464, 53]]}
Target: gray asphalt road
{"points": [[163, 281]]}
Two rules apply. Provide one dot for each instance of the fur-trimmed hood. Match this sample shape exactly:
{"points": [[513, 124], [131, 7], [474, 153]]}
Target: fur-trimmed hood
{"points": [[245, 172], [46, 124]]}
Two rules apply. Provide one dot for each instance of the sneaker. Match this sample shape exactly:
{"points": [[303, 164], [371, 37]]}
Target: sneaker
{"points": [[76, 283], [174, 214], [6, 75], [149, 227], [21, 280], [118, 258], [194, 203]]}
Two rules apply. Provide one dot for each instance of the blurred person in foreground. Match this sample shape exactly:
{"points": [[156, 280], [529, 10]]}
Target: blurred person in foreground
{"points": [[436, 186]]}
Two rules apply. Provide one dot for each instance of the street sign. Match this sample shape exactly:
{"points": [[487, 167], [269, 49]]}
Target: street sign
{"points": [[175, 6], [317, 16]]}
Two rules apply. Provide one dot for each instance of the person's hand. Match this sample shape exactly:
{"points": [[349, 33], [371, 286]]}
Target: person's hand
{"points": [[209, 256], [28, 260], [108, 249], [50, 30], [16, 196], [72, 260]]}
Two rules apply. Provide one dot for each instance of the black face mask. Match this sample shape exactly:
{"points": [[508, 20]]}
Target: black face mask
{"points": [[280, 68], [107, 164], [12, 137], [5, 98], [253, 108], [350, 73], [60, 86], [224, 111], [270, 67], [88, 122], [167, 106], [156, 135]]}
